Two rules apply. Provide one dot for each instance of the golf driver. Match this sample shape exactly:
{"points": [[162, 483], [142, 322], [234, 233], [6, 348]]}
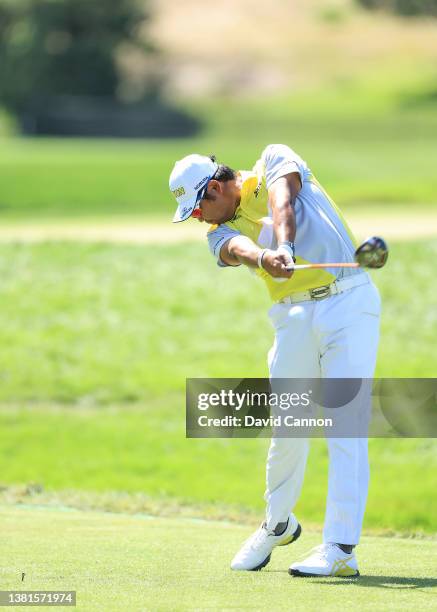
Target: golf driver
{"points": [[373, 253]]}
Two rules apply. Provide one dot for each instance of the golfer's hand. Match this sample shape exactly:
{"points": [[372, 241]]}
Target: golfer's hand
{"points": [[276, 262]]}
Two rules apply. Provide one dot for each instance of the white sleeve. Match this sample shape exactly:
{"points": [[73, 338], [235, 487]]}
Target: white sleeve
{"points": [[279, 160], [217, 238]]}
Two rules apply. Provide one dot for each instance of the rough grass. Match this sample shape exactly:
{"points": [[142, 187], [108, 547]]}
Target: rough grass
{"points": [[100, 323], [136, 459], [117, 562]]}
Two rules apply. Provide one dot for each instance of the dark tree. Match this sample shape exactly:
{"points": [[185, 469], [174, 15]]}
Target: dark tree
{"points": [[408, 8], [51, 48]]}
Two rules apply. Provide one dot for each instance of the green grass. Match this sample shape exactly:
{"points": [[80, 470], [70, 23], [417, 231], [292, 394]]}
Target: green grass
{"points": [[117, 562], [142, 450], [362, 144], [100, 323], [98, 341]]}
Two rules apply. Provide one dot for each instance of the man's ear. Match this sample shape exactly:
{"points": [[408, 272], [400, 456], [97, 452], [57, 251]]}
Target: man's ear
{"points": [[213, 188]]}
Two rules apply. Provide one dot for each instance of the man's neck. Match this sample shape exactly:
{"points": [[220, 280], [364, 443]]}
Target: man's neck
{"points": [[238, 185]]}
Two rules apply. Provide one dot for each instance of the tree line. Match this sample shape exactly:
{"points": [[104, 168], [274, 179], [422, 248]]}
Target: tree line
{"points": [[407, 8]]}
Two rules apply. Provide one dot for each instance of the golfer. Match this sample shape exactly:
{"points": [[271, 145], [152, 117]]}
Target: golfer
{"points": [[326, 325]]}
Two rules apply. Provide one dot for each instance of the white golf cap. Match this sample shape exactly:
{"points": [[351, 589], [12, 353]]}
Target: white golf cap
{"points": [[188, 181]]}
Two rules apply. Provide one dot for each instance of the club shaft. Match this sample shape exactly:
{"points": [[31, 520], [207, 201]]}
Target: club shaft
{"points": [[325, 265]]}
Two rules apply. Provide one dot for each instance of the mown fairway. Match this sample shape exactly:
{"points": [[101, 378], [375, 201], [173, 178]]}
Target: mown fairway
{"points": [[120, 562]]}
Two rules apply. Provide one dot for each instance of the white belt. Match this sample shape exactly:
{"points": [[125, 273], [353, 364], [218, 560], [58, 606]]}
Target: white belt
{"points": [[320, 293]]}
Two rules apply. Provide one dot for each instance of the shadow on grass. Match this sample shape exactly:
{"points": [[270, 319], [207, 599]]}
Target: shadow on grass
{"points": [[384, 582]]}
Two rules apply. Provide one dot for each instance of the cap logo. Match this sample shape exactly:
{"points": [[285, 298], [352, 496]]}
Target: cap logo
{"points": [[201, 182], [180, 191]]}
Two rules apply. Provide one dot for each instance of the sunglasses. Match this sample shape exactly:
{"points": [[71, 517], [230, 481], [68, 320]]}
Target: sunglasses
{"points": [[197, 213]]}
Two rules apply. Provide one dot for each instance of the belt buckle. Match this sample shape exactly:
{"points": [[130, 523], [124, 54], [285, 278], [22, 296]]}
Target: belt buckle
{"points": [[319, 293]]}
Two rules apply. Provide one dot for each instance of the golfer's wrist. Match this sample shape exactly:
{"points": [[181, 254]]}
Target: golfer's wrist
{"points": [[260, 258], [289, 247]]}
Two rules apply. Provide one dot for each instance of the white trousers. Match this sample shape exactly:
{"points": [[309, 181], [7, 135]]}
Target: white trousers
{"points": [[332, 338]]}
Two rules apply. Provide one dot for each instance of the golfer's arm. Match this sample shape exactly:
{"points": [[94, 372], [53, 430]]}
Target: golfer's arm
{"points": [[240, 250], [282, 195]]}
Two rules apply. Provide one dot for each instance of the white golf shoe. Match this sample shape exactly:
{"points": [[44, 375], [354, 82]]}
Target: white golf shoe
{"points": [[256, 551], [326, 560]]}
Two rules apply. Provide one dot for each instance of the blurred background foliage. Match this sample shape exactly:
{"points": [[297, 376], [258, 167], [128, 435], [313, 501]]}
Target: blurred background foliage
{"points": [[159, 53], [65, 68], [403, 7], [69, 47]]}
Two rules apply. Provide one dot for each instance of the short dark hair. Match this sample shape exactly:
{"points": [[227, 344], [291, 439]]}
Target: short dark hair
{"points": [[223, 173]]}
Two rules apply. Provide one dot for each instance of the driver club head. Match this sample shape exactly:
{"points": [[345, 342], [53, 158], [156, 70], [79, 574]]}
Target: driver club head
{"points": [[373, 253]]}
